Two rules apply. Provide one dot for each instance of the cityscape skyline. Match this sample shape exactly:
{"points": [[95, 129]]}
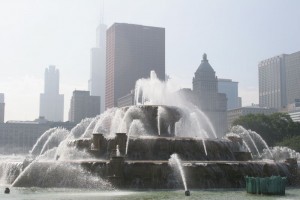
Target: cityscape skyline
{"points": [[235, 37]]}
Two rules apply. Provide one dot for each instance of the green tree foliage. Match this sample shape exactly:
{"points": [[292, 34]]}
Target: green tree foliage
{"points": [[273, 128], [292, 142]]}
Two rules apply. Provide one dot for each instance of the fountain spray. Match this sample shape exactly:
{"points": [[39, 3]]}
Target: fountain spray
{"points": [[175, 161]]}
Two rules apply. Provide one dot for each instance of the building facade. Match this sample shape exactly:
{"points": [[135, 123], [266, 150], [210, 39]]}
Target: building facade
{"points": [[19, 137], [230, 88], [132, 52], [51, 102], [98, 66], [279, 80], [127, 100], [212, 103], [83, 106], [292, 72], [272, 88], [2, 108], [293, 110], [234, 114]]}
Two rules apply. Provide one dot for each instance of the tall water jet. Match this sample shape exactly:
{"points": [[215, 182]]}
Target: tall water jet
{"points": [[152, 91], [175, 162]]}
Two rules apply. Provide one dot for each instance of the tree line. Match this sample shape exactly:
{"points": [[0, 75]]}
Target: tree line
{"points": [[277, 129]]}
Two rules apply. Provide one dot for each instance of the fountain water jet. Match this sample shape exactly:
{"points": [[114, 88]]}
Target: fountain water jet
{"points": [[176, 162], [251, 135]]}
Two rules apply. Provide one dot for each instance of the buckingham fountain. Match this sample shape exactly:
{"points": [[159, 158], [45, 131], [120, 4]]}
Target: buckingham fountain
{"points": [[159, 143]]}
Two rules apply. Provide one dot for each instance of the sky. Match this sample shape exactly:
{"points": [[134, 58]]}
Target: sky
{"points": [[235, 34]]}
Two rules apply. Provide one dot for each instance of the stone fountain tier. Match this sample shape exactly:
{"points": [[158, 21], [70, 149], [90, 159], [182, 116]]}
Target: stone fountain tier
{"points": [[161, 148], [146, 174], [158, 174], [149, 114]]}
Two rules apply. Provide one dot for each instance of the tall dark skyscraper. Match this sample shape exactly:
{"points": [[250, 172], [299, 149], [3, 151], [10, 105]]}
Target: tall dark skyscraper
{"points": [[51, 102], [2, 108], [98, 66], [132, 52]]}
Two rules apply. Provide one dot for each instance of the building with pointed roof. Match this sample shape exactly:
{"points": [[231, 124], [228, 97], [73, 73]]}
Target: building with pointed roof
{"points": [[207, 98]]}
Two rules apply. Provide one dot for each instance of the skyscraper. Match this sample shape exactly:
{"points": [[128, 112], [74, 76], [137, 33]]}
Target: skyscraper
{"points": [[83, 105], [98, 66], [2, 108], [272, 82], [51, 102], [212, 103], [230, 88], [279, 80], [292, 66], [132, 52]]}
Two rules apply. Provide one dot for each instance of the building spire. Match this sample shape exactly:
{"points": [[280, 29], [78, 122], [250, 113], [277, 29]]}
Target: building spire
{"points": [[204, 57]]}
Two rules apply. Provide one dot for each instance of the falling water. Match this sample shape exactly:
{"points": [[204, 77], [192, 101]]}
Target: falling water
{"points": [[37, 147], [207, 121], [159, 113], [136, 128], [194, 119], [280, 153], [253, 137], [54, 139], [262, 141], [118, 151], [174, 161], [106, 121], [152, 91], [10, 168], [88, 131], [127, 143]]}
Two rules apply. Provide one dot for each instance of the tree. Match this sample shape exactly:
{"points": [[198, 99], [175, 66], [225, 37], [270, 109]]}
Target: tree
{"points": [[292, 143], [273, 128]]}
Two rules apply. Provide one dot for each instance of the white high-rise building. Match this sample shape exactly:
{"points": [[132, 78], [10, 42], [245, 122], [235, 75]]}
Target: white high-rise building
{"points": [[51, 102], [230, 88], [272, 84], [98, 66], [292, 72], [279, 80]]}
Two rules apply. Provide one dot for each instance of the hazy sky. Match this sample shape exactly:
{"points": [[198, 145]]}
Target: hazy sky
{"points": [[235, 34]]}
